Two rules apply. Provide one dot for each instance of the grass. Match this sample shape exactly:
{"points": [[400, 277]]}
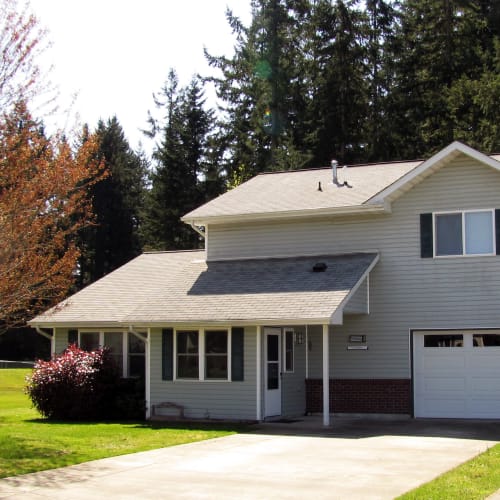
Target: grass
{"points": [[29, 443], [476, 479]]}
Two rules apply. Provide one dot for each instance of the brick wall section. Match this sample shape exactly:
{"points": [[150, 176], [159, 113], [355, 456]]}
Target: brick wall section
{"points": [[361, 396]]}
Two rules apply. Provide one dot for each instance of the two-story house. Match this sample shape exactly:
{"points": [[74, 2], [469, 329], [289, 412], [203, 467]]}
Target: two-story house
{"points": [[371, 289]]}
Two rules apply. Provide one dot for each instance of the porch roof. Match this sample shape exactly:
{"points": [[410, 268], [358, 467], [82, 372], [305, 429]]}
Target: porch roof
{"points": [[181, 287]]}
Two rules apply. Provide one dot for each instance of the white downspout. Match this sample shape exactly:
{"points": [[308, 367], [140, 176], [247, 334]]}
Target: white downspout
{"points": [[258, 375], [198, 229], [307, 352], [52, 339], [147, 368]]}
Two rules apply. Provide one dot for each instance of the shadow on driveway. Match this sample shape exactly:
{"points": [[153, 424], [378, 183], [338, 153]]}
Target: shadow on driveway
{"points": [[362, 427]]}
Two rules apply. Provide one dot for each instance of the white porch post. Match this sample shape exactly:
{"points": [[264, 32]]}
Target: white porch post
{"points": [[326, 378], [258, 371]]}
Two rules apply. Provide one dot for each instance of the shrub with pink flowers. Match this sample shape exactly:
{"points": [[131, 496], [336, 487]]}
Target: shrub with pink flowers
{"points": [[82, 385]]}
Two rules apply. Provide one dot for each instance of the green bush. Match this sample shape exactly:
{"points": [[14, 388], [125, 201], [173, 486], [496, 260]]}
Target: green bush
{"points": [[81, 385]]}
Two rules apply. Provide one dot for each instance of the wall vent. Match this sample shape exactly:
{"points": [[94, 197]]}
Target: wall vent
{"points": [[319, 267]]}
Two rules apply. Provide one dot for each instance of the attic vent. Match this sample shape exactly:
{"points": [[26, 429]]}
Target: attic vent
{"points": [[319, 267]]}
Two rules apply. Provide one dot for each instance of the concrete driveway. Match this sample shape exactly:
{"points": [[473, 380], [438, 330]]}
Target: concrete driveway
{"points": [[365, 459]]}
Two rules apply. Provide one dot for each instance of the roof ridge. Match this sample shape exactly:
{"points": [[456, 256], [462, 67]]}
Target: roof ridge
{"points": [[350, 165], [154, 252]]}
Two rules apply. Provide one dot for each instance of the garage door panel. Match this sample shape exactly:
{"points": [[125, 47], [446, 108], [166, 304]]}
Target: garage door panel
{"points": [[488, 385], [484, 408], [485, 363], [442, 408], [455, 382], [443, 384], [442, 363]]}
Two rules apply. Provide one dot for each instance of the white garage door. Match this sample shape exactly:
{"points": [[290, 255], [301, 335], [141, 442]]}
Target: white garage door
{"points": [[456, 374]]}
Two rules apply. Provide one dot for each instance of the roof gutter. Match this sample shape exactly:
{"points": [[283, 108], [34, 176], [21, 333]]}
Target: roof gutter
{"points": [[197, 228], [52, 339], [43, 334], [375, 208]]}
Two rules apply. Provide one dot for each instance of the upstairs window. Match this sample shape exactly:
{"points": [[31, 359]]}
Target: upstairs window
{"points": [[464, 233], [448, 234]]}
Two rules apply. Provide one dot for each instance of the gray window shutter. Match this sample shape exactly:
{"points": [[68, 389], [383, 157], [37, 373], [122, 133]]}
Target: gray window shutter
{"points": [[426, 240], [167, 354], [72, 337], [497, 230], [237, 354]]}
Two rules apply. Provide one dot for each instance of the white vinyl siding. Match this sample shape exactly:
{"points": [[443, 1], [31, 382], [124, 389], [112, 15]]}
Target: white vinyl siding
{"points": [[207, 399], [61, 340], [406, 291], [293, 383]]}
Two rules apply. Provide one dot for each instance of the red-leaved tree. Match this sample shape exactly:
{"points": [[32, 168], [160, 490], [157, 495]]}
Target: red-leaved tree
{"points": [[43, 204]]}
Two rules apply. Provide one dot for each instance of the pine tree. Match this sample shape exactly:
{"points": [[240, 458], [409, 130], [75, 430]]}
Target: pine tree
{"points": [[438, 42], [263, 91], [379, 23], [338, 82], [183, 166], [117, 203]]}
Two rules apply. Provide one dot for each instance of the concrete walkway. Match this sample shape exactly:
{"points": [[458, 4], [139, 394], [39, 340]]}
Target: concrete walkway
{"points": [[353, 460]]}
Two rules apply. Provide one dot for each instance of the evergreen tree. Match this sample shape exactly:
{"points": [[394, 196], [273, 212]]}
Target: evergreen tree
{"points": [[379, 23], [263, 91], [117, 202], [438, 42], [184, 172], [339, 85]]}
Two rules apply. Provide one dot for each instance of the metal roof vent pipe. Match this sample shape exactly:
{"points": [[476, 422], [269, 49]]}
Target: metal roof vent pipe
{"points": [[335, 179], [335, 164]]}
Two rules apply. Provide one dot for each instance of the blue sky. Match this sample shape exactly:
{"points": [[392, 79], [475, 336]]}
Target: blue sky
{"points": [[115, 53]]}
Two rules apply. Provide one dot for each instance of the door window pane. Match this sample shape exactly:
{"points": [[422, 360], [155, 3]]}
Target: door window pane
{"points": [[479, 232], [449, 234], [289, 350], [272, 347], [443, 340], [272, 376]]}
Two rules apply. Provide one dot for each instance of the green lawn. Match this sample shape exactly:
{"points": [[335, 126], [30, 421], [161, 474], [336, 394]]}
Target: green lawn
{"points": [[476, 479], [29, 443]]}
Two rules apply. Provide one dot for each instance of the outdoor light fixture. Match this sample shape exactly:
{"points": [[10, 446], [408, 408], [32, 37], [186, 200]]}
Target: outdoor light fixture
{"points": [[357, 338]]}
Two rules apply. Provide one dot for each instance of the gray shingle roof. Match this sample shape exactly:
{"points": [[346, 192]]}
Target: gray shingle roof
{"points": [[295, 193], [180, 287], [297, 190]]}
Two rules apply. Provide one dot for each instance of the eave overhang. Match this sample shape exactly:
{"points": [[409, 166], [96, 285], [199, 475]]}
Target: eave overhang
{"points": [[372, 208]]}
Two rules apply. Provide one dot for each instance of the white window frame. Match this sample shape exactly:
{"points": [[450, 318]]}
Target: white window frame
{"points": [[462, 213], [285, 367], [201, 354], [125, 353]]}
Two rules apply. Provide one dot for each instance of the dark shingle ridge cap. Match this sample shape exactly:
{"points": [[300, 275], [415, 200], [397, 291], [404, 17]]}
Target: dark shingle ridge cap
{"points": [[354, 165]]}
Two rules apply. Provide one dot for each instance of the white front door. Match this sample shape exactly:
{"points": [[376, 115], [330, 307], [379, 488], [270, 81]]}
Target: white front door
{"points": [[272, 372]]}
